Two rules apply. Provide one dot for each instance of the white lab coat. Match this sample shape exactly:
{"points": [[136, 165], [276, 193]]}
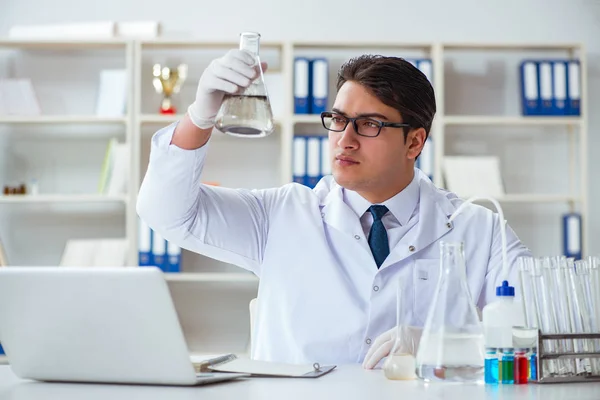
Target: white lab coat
{"points": [[321, 297]]}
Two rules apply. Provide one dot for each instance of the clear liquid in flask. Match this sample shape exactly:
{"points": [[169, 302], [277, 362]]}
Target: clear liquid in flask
{"points": [[246, 116]]}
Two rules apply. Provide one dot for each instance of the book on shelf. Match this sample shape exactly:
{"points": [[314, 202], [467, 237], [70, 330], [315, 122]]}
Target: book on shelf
{"points": [[469, 176], [101, 252], [114, 175]]}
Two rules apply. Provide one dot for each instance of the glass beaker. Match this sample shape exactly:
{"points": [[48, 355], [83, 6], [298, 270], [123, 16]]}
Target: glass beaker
{"points": [[247, 114], [400, 364], [452, 345]]}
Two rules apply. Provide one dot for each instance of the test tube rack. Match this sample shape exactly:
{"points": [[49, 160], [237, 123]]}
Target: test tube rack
{"points": [[546, 355]]}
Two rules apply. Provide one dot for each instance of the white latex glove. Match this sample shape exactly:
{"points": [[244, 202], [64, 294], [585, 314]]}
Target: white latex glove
{"points": [[231, 74], [382, 346]]}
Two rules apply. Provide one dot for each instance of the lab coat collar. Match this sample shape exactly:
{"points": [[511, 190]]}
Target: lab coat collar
{"points": [[401, 206], [435, 208]]}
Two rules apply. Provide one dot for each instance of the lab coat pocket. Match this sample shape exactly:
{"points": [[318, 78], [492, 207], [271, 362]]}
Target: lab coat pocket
{"points": [[426, 274]]}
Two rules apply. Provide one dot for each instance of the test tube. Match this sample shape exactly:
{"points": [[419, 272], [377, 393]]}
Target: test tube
{"points": [[545, 316], [525, 265], [575, 314], [557, 287], [588, 313]]}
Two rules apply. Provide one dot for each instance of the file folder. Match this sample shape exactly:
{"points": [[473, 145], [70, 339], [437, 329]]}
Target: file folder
{"points": [[325, 158], [159, 250], [301, 85], [425, 160], [173, 257], [573, 88], [319, 78], [313, 168], [299, 160], [425, 67], [144, 244], [559, 77], [545, 71], [572, 235], [530, 97]]}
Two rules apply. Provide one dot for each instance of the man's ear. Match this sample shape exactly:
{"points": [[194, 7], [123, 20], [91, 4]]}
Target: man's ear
{"points": [[416, 140]]}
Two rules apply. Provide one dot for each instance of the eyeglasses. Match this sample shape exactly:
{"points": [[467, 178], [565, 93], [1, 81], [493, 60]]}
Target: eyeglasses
{"points": [[363, 126]]}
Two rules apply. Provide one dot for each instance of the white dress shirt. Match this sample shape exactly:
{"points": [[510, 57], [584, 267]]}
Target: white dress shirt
{"points": [[403, 211], [321, 297]]}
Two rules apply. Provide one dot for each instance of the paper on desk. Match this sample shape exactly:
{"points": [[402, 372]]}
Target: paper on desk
{"points": [[256, 367]]}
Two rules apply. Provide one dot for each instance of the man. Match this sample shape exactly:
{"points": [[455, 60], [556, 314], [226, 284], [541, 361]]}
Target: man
{"points": [[329, 258]]}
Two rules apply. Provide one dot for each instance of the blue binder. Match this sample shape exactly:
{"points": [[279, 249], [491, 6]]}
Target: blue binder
{"points": [[425, 160], [313, 160], [319, 83], [144, 244], [546, 88], [159, 251], [573, 88], [325, 157], [173, 263], [559, 87], [530, 92], [301, 85], [299, 162], [424, 65], [572, 232]]}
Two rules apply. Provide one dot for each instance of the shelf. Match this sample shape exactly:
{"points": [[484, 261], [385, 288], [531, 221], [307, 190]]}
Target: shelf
{"points": [[535, 198], [60, 119], [210, 277], [62, 43], [512, 46], [306, 119], [158, 119], [62, 198], [362, 45], [510, 121], [195, 44]]}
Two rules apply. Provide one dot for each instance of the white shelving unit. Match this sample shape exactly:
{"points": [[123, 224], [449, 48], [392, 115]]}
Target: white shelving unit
{"points": [[141, 121], [573, 127], [51, 126]]}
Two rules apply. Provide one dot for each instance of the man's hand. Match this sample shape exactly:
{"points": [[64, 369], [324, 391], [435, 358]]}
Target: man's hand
{"points": [[231, 74], [382, 346]]}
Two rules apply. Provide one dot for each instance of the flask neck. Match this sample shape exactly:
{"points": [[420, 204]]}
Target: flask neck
{"points": [[250, 42]]}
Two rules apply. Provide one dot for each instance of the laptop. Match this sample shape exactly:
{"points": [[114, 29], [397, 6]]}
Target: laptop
{"points": [[86, 324]]}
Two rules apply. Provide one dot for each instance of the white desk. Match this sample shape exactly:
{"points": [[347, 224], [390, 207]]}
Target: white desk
{"points": [[345, 383]]}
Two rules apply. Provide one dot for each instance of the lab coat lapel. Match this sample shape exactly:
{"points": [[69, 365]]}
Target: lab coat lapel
{"points": [[434, 212], [340, 216]]}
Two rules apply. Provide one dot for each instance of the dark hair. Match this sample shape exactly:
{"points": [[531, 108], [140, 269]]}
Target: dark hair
{"points": [[396, 83]]}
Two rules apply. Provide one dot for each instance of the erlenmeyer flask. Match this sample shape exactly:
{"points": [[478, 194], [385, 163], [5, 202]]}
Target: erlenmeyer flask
{"points": [[452, 344], [247, 114], [400, 364]]}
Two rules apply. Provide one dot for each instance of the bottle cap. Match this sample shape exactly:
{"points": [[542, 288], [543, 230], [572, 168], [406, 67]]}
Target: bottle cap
{"points": [[505, 290]]}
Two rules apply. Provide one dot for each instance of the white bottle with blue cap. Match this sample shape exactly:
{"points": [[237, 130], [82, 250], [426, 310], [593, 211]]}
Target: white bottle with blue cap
{"points": [[500, 316]]}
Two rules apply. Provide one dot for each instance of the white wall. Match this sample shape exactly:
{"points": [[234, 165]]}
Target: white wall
{"points": [[426, 20]]}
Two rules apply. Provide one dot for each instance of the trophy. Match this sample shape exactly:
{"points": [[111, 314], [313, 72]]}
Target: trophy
{"points": [[168, 81]]}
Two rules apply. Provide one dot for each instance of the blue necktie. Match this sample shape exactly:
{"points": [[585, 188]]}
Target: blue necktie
{"points": [[378, 239]]}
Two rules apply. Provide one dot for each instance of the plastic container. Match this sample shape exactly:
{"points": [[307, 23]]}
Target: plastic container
{"points": [[500, 316]]}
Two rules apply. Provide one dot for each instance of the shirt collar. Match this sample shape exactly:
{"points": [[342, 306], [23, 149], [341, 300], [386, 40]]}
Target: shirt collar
{"points": [[401, 205]]}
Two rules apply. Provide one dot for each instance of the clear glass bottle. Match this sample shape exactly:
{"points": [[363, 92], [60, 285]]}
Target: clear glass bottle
{"points": [[400, 364], [452, 345], [247, 114]]}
